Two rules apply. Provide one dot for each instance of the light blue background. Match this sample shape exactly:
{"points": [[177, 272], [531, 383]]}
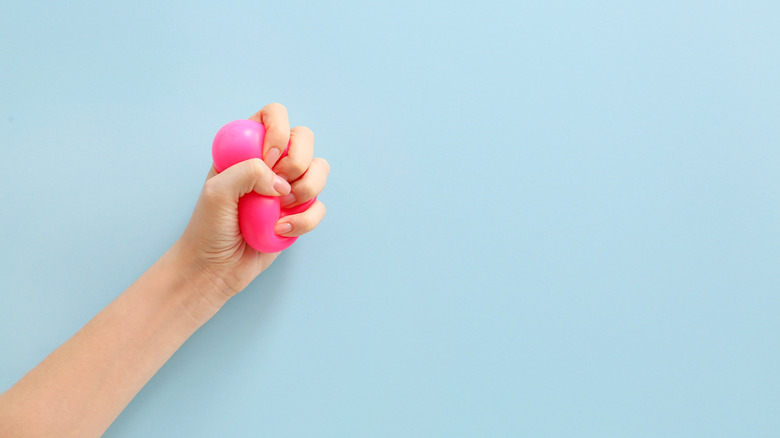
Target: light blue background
{"points": [[544, 219]]}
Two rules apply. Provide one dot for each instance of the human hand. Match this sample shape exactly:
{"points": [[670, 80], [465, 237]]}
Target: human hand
{"points": [[81, 387], [212, 243]]}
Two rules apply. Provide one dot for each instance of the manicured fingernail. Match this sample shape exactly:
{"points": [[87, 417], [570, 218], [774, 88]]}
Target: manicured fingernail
{"points": [[272, 156], [287, 199], [281, 185], [283, 228]]}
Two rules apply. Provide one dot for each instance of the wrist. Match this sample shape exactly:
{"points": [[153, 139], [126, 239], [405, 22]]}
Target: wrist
{"points": [[201, 294]]}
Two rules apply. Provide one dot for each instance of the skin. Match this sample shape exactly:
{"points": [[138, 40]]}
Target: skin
{"points": [[81, 387]]}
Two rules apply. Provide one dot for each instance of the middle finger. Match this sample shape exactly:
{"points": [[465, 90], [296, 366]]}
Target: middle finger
{"points": [[299, 154]]}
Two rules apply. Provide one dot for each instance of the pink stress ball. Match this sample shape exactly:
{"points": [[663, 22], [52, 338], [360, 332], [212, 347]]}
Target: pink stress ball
{"points": [[238, 141]]}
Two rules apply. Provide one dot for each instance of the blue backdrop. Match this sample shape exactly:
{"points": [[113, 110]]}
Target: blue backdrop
{"points": [[544, 218]]}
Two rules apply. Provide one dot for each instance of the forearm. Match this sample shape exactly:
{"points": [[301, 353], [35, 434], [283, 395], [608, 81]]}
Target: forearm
{"points": [[81, 387]]}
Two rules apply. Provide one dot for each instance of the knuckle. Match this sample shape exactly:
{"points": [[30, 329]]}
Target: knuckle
{"points": [[295, 167], [256, 168], [304, 191], [304, 130], [324, 163], [211, 191], [276, 106]]}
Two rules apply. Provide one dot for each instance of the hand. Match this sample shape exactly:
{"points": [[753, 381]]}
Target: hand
{"points": [[212, 242], [80, 388]]}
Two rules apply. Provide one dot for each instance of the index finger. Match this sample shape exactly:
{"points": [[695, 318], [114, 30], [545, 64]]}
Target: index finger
{"points": [[277, 131]]}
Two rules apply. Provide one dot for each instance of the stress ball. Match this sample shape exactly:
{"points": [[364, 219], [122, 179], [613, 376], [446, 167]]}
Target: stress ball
{"points": [[242, 140]]}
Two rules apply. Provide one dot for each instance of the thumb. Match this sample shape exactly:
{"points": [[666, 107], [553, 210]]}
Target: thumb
{"points": [[247, 176]]}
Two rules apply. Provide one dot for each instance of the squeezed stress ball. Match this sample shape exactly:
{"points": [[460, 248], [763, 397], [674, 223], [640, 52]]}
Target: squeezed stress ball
{"points": [[238, 141]]}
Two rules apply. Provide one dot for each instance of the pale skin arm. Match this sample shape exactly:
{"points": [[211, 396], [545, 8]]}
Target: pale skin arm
{"points": [[81, 387]]}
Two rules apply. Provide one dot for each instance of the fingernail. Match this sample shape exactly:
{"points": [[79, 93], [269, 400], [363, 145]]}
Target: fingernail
{"points": [[272, 156], [283, 228], [287, 199], [281, 185]]}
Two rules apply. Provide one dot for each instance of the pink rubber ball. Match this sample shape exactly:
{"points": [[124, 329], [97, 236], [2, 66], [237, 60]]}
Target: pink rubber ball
{"points": [[242, 140]]}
